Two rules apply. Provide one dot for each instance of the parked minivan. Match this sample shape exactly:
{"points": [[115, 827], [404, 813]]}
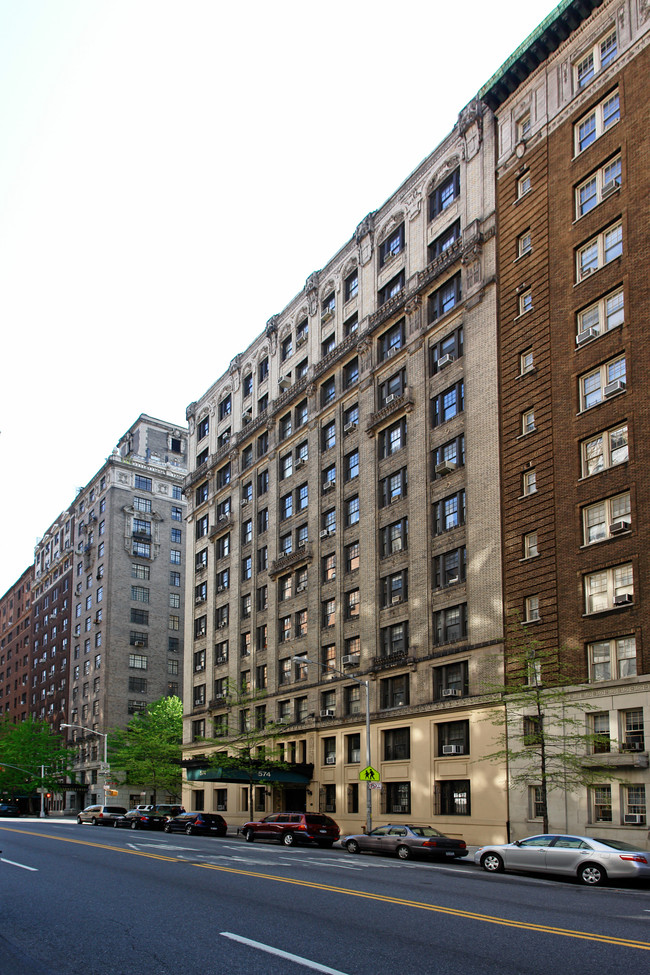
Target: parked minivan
{"points": [[100, 815]]}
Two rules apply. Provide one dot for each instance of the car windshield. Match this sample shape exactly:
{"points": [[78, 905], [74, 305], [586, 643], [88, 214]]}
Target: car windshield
{"points": [[617, 844], [425, 831]]}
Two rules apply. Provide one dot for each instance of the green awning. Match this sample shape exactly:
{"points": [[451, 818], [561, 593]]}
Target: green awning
{"points": [[212, 773]]}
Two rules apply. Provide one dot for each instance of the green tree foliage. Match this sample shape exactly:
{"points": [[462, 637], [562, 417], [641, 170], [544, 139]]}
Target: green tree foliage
{"points": [[31, 745], [247, 738], [147, 752], [544, 739]]}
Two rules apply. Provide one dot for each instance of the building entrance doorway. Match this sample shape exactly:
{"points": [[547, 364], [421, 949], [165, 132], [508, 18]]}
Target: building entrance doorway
{"points": [[294, 799]]}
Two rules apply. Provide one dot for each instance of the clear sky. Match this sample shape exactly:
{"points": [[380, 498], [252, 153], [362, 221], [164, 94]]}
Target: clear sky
{"points": [[170, 174]]}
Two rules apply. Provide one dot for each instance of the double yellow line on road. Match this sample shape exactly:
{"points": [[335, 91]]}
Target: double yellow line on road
{"points": [[365, 895]]}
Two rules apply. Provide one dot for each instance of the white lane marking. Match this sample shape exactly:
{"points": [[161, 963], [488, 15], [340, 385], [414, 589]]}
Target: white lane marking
{"points": [[21, 865], [306, 962]]}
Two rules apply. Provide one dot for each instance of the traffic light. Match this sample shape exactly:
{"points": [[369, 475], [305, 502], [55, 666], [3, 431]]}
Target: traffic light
{"points": [[48, 795]]}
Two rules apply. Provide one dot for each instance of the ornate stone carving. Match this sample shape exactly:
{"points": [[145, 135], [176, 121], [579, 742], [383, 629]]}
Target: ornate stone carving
{"points": [[311, 287], [189, 413], [413, 203], [235, 369], [413, 310], [363, 235]]}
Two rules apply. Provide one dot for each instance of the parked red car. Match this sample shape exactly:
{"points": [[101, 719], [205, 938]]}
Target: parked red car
{"points": [[293, 827]]}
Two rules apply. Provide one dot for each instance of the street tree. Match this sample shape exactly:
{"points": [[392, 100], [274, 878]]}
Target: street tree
{"points": [[544, 737], [247, 738], [31, 756], [147, 752]]}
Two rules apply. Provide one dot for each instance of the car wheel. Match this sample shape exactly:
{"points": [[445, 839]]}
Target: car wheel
{"points": [[94, 822], [80, 821], [249, 835], [352, 846], [404, 852], [167, 828], [492, 862], [289, 839], [134, 824], [592, 874], [189, 829]]}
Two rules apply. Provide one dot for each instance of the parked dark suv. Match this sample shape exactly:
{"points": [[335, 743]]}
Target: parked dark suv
{"points": [[208, 824], [293, 827]]}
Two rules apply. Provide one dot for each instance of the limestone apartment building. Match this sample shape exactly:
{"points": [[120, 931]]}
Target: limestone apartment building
{"points": [[343, 504], [126, 595], [573, 187]]}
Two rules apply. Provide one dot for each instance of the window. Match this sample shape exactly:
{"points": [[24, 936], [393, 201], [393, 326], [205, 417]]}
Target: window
{"points": [[391, 388], [142, 483], [599, 251], [247, 457], [394, 691], [530, 545], [392, 288], [223, 476], [396, 799], [329, 751], [286, 347], [531, 609], [329, 612], [450, 680], [595, 60], [351, 325], [449, 568], [286, 506], [449, 456], [329, 435], [352, 465], [175, 557], [598, 187], [609, 588], [601, 803], [353, 749], [352, 604], [446, 351], [285, 633], [202, 428], [444, 298], [328, 391], [392, 246], [392, 340], [606, 519], [528, 422], [394, 538], [448, 404], [394, 588], [223, 439], [351, 373], [263, 370], [397, 744], [524, 185], [535, 802], [247, 385], [634, 804], [612, 659], [600, 317], [394, 640], [605, 381], [246, 568], [392, 439], [225, 408], [352, 285], [526, 362], [328, 307], [524, 126], [632, 731], [529, 482], [596, 122], [141, 549], [525, 301], [286, 466], [285, 426], [351, 417], [352, 557], [262, 443], [444, 241], [352, 511], [329, 567], [444, 194], [532, 731], [394, 487], [139, 593], [138, 661], [453, 738], [524, 243], [604, 450], [450, 624]]}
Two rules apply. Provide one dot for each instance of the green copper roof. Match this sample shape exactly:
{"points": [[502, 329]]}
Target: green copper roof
{"points": [[554, 29]]}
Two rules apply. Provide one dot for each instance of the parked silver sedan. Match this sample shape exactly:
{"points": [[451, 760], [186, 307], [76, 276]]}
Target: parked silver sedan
{"points": [[406, 841], [592, 860]]}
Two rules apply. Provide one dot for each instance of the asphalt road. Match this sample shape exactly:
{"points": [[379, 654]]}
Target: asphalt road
{"points": [[77, 900]]}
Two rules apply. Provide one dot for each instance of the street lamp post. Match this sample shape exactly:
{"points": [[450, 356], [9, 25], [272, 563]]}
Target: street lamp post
{"points": [[364, 683], [100, 734]]}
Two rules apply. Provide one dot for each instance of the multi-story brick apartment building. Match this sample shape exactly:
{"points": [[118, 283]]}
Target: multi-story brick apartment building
{"points": [[343, 504], [572, 201], [15, 647], [127, 593]]}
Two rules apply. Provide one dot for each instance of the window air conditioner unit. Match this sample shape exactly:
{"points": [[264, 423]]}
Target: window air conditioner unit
{"points": [[389, 399], [390, 351], [325, 532], [350, 426], [326, 316], [611, 389], [301, 587], [451, 692], [222, 518], [586, 335], [244, 502], [624, 599], [634, 819], [445, 467], [221, 660], [330, 759], [618, 527], [301, 341], [300, 461], [327, 713], [285, 382], [220, 588], [223, 624], [611, 187], [221, 808], [246, 416], [585, 272], [283, 721], [350, 660], [395, 599], [453, 750], [445, 360], [633, 746], [328, 485], [138, 643]]}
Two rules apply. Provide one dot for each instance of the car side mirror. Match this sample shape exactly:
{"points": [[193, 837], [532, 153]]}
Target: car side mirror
{"points": [[517, 843]]}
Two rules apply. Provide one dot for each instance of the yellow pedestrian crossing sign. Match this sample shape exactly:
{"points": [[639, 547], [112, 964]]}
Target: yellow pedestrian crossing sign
{"points": [[369, 774]]}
